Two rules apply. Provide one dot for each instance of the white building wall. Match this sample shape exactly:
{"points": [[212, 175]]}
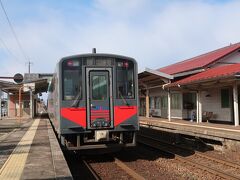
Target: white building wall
{"points": [[211, 102]]}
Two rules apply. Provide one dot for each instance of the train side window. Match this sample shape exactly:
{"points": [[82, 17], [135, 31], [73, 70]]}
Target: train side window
{"points": [[72, 80], [125, 79]]}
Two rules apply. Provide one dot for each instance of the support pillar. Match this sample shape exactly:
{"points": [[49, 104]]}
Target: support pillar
{"points": [[197, 110], [31, 104], [169, 105], [20, 103], [8, 108], [235, 104], [147, 103], [200, 106]]}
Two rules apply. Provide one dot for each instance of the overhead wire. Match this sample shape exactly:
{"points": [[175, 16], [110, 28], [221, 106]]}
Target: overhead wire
{"points": [[8, 50], [13, 32]]}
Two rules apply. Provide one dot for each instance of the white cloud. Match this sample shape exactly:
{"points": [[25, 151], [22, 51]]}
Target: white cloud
{"points": [[154, 34]]}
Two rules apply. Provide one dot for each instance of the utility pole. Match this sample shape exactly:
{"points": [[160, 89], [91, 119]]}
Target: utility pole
{"points": [[29, 63]]}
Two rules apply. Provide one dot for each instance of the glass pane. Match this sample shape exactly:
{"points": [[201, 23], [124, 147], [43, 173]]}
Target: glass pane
{"points": [[72, 79], [189, 100], [175, 101], [164, 102], [225, 100], [72, 83], [125, 79], [99, 87], [157, 102]]}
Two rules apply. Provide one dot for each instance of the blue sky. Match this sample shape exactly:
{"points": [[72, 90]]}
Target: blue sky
{"points": [[155, 33]]}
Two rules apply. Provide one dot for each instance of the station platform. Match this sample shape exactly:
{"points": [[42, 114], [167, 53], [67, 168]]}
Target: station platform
{"points": [[218, 132], [29, 150]]}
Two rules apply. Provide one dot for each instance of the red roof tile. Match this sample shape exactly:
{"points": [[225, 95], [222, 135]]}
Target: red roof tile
{"points": [[199, 61], [222, 71]]}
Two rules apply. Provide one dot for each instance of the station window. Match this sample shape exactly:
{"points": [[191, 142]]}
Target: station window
{"points": [[72, 79], [125, 79], [175, 101], [164, 102], [151, 99], [225, 99], [157, 102], [189, 100]]}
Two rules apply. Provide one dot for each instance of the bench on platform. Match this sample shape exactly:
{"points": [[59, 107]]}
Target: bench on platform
{"points": [[207, 116]]}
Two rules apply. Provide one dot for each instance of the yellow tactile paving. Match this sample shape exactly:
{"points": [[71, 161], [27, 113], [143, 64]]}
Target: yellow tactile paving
{"points": [[14, 166]]}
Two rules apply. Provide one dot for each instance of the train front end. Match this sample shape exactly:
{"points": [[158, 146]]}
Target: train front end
{"points": [[98, 101]]}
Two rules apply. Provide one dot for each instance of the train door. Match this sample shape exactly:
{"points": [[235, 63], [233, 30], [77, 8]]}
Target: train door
{"points": [[99, 98]]}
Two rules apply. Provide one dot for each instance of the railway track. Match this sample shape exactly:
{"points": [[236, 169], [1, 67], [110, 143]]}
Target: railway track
{"points": [[197, 159], [91, 170], [128, 170], [95, 168]]}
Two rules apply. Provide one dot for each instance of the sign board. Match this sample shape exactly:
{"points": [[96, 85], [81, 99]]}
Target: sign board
{"points": [[28, 87], [18, 78]]}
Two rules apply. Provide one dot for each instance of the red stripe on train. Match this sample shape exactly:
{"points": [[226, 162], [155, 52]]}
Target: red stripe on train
{"points": [[76, 115], [123, 113]]}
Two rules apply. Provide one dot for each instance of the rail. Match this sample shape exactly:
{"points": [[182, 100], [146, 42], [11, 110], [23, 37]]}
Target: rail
{"points": [[149, 141], [128, 170], [91, 170]]}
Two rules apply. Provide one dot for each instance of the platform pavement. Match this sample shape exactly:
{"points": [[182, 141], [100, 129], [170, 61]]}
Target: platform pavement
{"points": [[31, 151], [219, 132]]}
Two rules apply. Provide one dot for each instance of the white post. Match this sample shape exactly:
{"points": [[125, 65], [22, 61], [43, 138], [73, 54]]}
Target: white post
{"points": [[31, 104], [169, 105], [200, 106], [197, 110], [235, 104], [147, 103]]}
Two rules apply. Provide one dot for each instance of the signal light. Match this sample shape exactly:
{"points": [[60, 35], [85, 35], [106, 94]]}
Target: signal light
{"points": [[125, 64], [73, 63], [70, 63]]}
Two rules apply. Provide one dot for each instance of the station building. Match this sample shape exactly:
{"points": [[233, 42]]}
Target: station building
{"points": [[202, 88]]}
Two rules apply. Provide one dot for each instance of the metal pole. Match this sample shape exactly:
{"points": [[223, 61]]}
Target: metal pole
{"points": [[19, 101], [29, 67]]}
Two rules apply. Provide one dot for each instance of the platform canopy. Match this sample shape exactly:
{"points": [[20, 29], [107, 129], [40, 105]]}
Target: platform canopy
{"points": [[150, 78], [38, 83], [8, 87]]}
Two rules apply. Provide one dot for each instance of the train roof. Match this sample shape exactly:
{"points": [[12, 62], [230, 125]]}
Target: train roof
{"points": [[98, 55]]}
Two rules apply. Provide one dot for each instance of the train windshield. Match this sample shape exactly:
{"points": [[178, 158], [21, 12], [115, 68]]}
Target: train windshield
{"points": [[125, 79], [72, 79]]}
